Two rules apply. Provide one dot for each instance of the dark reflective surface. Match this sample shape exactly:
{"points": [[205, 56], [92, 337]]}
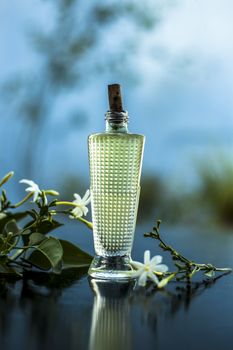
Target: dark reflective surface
{"points": [[111, 326], [74, 312]]}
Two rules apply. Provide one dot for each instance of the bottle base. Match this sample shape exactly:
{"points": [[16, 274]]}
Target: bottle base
{"points": [[111, 268]]}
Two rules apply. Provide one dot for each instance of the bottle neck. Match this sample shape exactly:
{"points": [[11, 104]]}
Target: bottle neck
{"points": [[116, 122], [111, 127]]}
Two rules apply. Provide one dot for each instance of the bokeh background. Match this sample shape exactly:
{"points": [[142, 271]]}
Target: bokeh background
{"points": [[174, 61]]}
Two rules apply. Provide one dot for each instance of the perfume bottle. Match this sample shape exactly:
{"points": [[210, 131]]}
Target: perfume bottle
{"points": [[115, 161]]}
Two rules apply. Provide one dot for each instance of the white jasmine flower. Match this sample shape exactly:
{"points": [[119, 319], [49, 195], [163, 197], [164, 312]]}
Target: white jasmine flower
{"points": [[81, 205], [33, 188], [149, 269]]}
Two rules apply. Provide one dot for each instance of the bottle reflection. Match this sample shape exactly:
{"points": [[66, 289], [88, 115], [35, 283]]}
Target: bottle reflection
{"points": [[110, 327]]}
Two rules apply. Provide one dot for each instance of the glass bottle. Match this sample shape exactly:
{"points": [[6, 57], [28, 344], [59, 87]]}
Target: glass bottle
{"points": [[115, 160]]}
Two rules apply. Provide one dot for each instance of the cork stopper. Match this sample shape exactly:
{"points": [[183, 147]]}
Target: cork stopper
{"points": [[114, 97], [116, 114]]}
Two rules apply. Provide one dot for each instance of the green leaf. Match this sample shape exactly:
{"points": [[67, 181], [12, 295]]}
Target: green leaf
{"points": [[47, 254], [74, 256], [39, 260], [52, 249], [58, 268], [11, 226], [5, 218], [36, 238], [7, 238], [46, 226]]}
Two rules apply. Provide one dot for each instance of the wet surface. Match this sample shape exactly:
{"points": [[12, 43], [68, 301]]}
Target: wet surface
{"points": [[71, 311]]}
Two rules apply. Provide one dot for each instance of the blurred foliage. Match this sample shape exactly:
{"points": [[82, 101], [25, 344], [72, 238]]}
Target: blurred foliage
{"points": [[151, 197], [216, 190], [209, 203], [68, 59], [158, 200], [70, 184]]}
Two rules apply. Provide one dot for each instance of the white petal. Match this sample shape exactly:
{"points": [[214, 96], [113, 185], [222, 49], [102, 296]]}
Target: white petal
{"points": [[77, 212], [136, 273], [142, 279], [28, 182], [29, 189], [146, 257], [87, 201], [153, 277], [36, 187], [35, 196], [77, 198], [85, 210], [157, 259], [86, 195], [160, 268], [136, 264]]}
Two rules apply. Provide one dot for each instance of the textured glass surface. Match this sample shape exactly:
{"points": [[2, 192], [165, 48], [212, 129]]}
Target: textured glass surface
{"points": [[115, 169], [110, 318]]}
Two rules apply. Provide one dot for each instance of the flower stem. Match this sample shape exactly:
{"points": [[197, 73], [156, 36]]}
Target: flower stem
{"points": [[87, 223], [65, 203], [25, 199], [188, 267]]}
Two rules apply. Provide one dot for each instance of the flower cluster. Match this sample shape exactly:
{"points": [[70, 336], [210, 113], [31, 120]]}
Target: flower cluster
{"points": [[79, 203]]}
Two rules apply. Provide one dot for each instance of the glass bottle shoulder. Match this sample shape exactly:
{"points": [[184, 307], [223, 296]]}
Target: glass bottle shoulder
{"points": [[108, 135]]}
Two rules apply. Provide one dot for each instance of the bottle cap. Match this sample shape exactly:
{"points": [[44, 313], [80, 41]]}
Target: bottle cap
{"points": [[116, 113]]}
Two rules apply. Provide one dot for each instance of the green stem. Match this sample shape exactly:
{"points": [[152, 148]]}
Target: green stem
{"points": [[24, 247], [25, 199], [54, 212], [87, 223], [44, 198], [66, 203], [166, 247], [190, 267]]}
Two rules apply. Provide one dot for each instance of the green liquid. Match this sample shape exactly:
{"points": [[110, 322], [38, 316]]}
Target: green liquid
{"points": [[115, 169]]}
